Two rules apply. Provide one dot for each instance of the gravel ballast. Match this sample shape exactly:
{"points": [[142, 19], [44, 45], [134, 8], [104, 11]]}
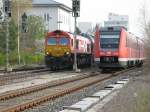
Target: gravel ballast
{"points": [[57, 105]]}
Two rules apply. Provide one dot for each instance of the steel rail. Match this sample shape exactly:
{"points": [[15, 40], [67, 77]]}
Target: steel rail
{"points": [[62, 92], [38, 101], [23, 91]]}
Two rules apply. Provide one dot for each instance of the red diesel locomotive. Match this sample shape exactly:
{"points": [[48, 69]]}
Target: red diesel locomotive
{"points": [[115, 47], [59, 50]]}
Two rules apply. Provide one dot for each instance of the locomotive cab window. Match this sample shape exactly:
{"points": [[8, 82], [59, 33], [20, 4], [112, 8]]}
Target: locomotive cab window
{"points": [[64, 41], [109, 41], [51, 41]]}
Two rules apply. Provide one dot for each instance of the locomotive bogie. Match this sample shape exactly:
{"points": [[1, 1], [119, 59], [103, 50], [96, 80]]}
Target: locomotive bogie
{"points": [[83, 60]]}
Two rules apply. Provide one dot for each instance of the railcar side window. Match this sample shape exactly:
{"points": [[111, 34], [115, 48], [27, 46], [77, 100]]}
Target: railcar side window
{"points": [[51, 41], [127, 41], [77, 44], [88, 47], [72, 42], [64, 41]]}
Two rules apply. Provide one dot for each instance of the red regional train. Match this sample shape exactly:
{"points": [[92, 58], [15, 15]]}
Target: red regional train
{"points": [[115, 47], [59, 50]]}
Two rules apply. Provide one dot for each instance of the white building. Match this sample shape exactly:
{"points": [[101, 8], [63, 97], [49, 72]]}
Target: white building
{"points": [[56, 15], [117, 20], [85, 26]]}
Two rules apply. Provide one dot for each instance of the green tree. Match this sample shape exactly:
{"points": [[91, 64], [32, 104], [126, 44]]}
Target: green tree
{"points": [[144, 24], [2, 39], [36, 27], [12, 41], [12, 37], [36, 30]]}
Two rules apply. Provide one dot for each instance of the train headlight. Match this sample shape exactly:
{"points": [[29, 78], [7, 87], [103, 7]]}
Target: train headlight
{"points": [[67, 53], [47, 53]]}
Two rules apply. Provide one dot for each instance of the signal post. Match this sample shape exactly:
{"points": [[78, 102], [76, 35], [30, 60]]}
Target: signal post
{"points": [[75, 14], [24, 29]]}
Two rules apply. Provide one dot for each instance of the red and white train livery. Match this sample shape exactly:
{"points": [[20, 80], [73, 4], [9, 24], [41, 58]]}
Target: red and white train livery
{"points": [[59, 49], [115, 47]]}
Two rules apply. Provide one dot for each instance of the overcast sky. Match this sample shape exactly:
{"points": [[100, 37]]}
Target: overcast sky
{"points": [[98, 10]]}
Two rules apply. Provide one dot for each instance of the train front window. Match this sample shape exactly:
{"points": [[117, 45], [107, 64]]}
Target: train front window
{"points": [[51, 41], [64, 41], [109, 41]]}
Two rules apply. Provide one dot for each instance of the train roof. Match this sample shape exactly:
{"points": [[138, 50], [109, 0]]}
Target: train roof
{"points": [[113, 28], [117, 29], [88, 36], [61, 32]]}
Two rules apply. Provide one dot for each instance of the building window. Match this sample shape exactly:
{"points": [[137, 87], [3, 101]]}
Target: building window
{"points": [[67, 20], [60, 17], [64, 19], [47, 17], [44, 17]]}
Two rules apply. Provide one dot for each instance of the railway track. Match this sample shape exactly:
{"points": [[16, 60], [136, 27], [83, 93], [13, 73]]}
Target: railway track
{"points": [[9, 77], [37, 95], [23, 68], [19, 92], [20, 75]]}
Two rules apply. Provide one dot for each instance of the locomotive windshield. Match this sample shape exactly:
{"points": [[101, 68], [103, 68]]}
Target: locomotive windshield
{"points": [[51, 41], [64, 41], [108, 41]]}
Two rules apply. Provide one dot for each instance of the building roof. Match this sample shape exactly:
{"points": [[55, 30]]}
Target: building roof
{"points": [[44, 2], [52, 3]]}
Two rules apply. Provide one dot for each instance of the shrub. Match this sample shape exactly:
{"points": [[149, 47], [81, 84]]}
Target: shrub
{"points": [[33, 58], [2, 59]]}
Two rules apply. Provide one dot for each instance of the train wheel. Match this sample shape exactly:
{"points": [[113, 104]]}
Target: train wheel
{"points": [[128, 64], [53, 68]]}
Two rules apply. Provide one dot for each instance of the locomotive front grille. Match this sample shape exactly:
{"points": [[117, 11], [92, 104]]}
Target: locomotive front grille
{"points": [[109, 59], [57, 51]]}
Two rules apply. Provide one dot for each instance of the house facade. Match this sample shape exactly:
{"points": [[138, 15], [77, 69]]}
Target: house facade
{"points": [[117, 20], [55, 15]]}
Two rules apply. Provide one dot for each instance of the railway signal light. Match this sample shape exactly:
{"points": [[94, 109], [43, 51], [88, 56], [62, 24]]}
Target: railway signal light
{"points": [[7, 7], [76, 8], [75, 14], [76, 5], [24, 23]]}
